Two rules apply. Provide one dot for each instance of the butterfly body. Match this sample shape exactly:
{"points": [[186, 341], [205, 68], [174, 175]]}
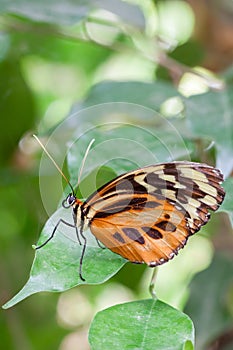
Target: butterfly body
{"points": [[147, 215]]}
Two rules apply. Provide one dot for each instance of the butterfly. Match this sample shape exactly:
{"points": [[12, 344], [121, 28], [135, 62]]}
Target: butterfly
{"points": [[148, 214]]}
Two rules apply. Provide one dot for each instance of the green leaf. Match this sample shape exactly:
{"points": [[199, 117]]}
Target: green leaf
{"points": [[227, 205], [124, 146], [209, 305], [70, 12], [210, 115], [5, 42], [144, 325], [16, 108], [83, 56], [56, 265], [128, 132], [202, 112], [190, 54], [150, 95]]}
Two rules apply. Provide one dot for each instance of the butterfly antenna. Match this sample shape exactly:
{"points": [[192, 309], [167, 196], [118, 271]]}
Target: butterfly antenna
{"points": [[83, 161], [53, 161]]}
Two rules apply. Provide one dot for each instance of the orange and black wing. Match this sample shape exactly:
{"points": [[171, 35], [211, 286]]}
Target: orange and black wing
{"points": [[148, 214]]}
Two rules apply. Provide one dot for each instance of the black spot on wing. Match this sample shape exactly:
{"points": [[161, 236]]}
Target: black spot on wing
{"points": [[160, 184], [167, 166], [138, 188], [171, 169], [152, 178], [133, 234], [182, 187], [192, 190], [166, 226], [152, 204], [126, 185], [118, 237], [152, 232], [119, 206], [126, 204]]}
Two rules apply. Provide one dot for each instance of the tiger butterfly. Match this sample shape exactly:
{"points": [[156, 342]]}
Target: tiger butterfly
{"points": [[147, 215]]}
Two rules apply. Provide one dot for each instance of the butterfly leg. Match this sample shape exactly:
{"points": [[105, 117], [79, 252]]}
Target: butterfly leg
{"points": [[77, 234], [82, 254], [99, 244], [53, 233]]}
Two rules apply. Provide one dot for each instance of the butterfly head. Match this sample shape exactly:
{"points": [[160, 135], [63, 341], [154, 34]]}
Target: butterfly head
{"points": [[69, 201]]}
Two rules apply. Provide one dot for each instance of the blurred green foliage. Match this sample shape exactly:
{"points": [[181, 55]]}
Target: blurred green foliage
{"points": [[54, 60]]}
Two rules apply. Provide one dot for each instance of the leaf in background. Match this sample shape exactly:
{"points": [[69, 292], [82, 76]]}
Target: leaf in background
{"points": [[210, 115], [227, 205], [42, 42], [16, 108], [191, 54], [56, 265], [5, 42], [208, 304], [152, 137], [202, 111], [207, 116], [124, 147], [150, 95], [70, 12], [145, 325]]}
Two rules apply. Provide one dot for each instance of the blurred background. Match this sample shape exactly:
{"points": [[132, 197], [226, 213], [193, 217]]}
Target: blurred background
{"points": [[51, 56]]}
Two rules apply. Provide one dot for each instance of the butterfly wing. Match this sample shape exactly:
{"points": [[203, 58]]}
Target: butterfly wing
{"points": [[147, 215]]}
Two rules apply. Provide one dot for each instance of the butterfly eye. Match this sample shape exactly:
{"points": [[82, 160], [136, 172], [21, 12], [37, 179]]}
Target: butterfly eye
{"points": [[69, 201]]}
